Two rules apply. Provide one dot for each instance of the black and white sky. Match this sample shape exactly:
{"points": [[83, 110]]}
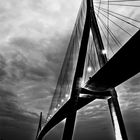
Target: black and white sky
{"points": [[34, 35]]}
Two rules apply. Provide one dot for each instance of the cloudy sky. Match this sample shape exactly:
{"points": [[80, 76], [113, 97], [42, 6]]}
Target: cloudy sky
{"points": [[34, 35]]}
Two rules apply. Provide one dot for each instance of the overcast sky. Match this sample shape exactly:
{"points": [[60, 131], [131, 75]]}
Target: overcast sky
{"points": [[34, 35]]}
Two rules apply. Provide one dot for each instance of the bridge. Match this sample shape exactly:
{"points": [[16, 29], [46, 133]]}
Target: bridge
{"points": [[88, 73]]}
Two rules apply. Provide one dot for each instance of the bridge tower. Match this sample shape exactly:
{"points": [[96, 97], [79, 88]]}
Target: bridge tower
{"points": [[116, 116], [86, 27]]}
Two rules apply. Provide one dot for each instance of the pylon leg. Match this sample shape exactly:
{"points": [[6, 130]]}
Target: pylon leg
{"points": [[69, 126], [116, 116]]}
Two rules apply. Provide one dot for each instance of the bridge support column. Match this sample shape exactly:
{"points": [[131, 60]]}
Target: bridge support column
{"points": [[116, 116], [69, 126]]}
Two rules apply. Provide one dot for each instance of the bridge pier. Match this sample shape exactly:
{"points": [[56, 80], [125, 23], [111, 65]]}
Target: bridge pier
{"points": [[69, 126], [76, 89], [116, 116]]}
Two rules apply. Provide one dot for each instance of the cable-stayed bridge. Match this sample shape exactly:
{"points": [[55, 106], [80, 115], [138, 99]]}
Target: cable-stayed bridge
{"points": [[89, 72]]}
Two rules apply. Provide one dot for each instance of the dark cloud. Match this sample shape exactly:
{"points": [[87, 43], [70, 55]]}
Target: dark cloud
{"points": [[25, 44], [27, 86], [18, 129], [133, 90], [10, 106], [133, 84], [135, 81], [2, 66], [19, 68], [96, 109], [98, 129], [132, 123], [14, 121]]}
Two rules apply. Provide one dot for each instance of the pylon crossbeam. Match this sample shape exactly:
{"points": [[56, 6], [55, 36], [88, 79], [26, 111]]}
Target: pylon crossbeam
{"points": [[96, 94]]}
